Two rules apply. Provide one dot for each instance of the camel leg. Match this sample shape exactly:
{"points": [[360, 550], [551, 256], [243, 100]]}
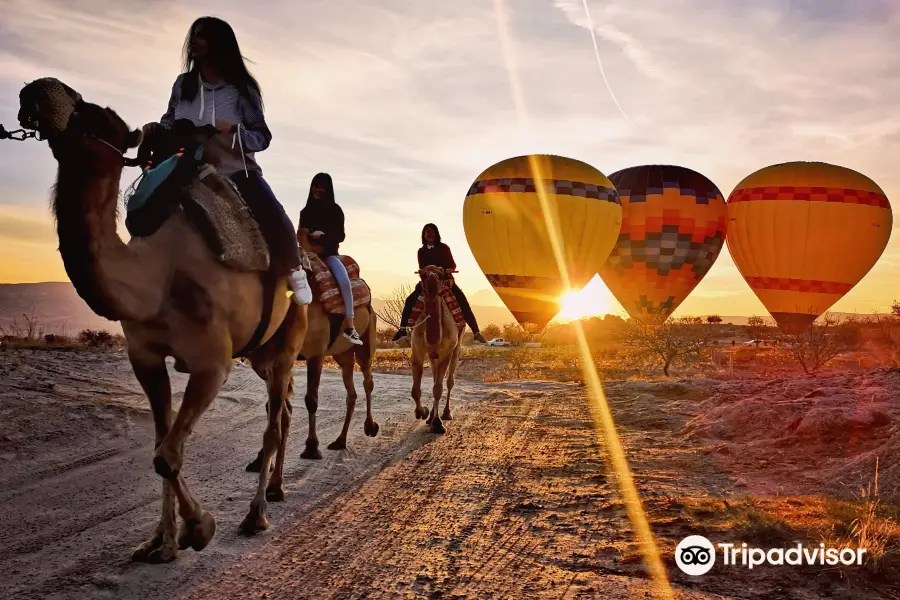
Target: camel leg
{"points": [[418, 367], [199, 526], [345, 361], [365, 365], [439, 371], [447, 416], [278, 384], [154, 379], [313, 377]]}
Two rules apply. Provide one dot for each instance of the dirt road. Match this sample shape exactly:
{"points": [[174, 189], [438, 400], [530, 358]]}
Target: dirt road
{"points": [[515, 501]]}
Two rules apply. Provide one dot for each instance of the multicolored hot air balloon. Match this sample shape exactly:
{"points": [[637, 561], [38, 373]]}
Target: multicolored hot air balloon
{"points": [[673, 228], [523, 212], [803, 234]]}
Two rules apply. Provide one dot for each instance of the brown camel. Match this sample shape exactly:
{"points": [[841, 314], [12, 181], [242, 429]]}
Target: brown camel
{"points": [[172, 296], [436, 335], [315, 349]]}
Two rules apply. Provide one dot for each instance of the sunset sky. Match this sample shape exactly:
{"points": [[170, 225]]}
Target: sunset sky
{"points": [[406, 102]]}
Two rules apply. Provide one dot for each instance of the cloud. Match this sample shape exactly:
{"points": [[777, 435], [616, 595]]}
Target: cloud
{"points": [[405, 103]]}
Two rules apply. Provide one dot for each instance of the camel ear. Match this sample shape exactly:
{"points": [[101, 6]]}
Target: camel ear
{"points": [[134, 138]]}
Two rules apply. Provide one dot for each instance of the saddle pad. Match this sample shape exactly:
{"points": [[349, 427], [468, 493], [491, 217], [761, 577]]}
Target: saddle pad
{"points": [[219, 211], [449, 299], [325, 287]]}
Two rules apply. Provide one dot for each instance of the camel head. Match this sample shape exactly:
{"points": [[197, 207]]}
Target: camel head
{"points": [[76, 130]]}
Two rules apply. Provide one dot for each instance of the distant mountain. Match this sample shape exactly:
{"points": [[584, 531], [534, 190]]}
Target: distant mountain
{"points": [[58, 309], [54, 306]]}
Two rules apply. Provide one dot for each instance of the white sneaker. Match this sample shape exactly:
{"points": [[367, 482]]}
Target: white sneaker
{"points": [[353, 336], [300, 287]]}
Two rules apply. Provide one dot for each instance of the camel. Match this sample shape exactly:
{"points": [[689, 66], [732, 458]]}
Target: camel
{"points": [[315, 349], [173, 297], [441, 340]]}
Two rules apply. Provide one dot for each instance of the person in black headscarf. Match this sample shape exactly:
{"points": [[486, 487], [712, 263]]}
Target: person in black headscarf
{"points": [[434, 252], [324, 220]]}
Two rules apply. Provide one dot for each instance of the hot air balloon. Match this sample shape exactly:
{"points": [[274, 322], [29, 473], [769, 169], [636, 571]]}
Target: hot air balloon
{"points": [[802, 234], [673, 228], [523, 214]]}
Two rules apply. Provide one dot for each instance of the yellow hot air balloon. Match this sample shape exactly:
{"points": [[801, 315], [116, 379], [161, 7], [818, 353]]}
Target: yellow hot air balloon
{"points": [[803, 234], [673, 228], [520, 231]]}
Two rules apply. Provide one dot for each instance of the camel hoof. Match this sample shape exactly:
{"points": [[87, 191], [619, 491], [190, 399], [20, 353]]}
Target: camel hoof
{"points": [[162, 468], [338, 444], [312, 451], [446, 416], [421, 413], [371, 428], [197, 533], [255, 521], [275, 493], [156, 551], [437, 427], [256, 465]]}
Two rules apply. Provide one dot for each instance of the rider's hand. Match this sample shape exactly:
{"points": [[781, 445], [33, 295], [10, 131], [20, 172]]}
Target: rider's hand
{"points": [[224, 126]]}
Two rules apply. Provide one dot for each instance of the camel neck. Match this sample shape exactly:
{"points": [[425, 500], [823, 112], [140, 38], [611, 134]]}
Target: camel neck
{"points": [[106, 273]]}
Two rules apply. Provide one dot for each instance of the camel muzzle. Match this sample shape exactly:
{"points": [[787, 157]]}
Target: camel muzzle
{"points": [[45, 106]]}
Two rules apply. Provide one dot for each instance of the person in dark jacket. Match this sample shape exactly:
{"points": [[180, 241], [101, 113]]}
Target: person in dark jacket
{"points": [[324, 220], [434, 252], [217, 89]]}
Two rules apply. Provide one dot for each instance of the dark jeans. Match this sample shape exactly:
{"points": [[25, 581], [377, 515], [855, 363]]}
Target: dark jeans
{"points": [[468, 315], [276, 226]]}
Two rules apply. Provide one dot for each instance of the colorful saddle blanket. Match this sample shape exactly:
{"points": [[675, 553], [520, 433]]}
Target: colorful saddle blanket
{"points": [[452, 304], [325, 287]]}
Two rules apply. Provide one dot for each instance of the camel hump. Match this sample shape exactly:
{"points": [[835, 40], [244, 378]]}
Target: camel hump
{"points": [[212, 203]]}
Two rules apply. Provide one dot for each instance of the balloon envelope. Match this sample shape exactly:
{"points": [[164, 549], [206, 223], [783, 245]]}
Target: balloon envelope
{"points": [[673, 228], [802, 234], [516, 229]]}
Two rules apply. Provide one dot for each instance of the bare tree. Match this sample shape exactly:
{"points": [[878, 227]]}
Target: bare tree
{"points": [[392, 311], [822, 341], [491, 331], [758, 329], [665, 340]]}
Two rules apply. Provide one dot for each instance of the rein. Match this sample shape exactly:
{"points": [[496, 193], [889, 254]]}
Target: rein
{"points": [[20, 135]]}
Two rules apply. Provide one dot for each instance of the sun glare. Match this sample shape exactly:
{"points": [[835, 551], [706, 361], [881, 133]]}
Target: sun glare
{"points": [[592, 300]]}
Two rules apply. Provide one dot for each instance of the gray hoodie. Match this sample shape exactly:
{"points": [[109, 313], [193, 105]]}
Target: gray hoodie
{"points": [[234, 152]]}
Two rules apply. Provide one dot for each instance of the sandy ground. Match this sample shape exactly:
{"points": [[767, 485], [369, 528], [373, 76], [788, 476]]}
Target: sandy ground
{"points": [[515, 501]]}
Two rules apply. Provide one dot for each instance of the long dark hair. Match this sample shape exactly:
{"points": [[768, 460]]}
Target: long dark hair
{"points": [[224, 56], [321, 180], [437, 234]]}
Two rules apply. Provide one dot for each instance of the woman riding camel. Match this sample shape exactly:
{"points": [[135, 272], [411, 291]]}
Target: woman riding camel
{"points": [[324, 221], [216, 89], [434, 252]]}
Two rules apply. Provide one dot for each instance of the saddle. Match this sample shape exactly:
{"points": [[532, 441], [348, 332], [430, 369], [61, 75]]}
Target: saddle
{"points": [[452, 303], [325, 287], [207, 198]]}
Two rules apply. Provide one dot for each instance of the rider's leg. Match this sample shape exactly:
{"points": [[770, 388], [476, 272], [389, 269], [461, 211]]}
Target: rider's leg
{"points": [[407, 312], [277, 229], [339, 271], [468, 315]]}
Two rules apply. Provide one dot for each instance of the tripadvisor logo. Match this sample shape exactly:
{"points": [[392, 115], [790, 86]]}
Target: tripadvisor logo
{"points": [[695, 555]]}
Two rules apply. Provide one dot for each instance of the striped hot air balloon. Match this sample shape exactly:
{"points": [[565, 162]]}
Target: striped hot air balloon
{"points": [[803, 234], [673, 228], [523, 212]]}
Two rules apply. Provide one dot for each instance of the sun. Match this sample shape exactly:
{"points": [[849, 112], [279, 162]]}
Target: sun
{"points": [[593, 299]]}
